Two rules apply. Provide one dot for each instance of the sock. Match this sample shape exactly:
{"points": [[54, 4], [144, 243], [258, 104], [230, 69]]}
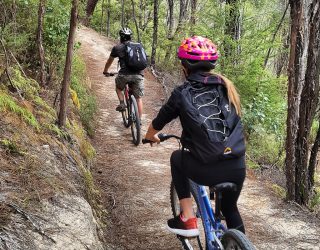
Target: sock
{"points": [[184, 219], [121, 102]]}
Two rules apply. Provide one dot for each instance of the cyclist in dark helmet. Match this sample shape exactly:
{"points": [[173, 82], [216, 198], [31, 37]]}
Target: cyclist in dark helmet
{"points": [[125, 74], [198, 57]]}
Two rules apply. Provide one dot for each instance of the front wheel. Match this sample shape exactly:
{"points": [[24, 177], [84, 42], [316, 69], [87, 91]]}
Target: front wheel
{"points": [[135, 122], [235, 240]]}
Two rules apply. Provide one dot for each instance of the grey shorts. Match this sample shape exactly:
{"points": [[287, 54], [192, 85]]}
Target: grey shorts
{"points": [[137, 86]]}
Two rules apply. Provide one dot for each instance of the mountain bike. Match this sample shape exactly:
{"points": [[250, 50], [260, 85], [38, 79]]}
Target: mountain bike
{"points": [[130, 116], [214, 235]]}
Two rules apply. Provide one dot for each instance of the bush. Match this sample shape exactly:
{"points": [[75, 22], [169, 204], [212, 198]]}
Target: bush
{"points": [[86, 99], [265, 149]]}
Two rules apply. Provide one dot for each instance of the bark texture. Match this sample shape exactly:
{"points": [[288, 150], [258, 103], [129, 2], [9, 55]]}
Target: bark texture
{"points": [[303, 92], [232, 29], [91, 5], [170, 19], [135, 20], [155, 33], [67, 68], [41, 12], [193, 15]]}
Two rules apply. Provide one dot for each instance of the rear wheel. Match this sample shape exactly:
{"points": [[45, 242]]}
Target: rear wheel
{"points": [[135, 122], [196, 243], [125, 114], [235, 240]]}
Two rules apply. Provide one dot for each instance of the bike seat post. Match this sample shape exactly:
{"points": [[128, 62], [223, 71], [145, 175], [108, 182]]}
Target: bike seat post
{"points": [[217, 196], [218, 214], [217, 192]]}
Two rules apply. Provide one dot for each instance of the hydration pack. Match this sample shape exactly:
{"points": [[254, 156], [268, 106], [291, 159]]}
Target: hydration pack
{"points": [[212, 129], [135, 56]]}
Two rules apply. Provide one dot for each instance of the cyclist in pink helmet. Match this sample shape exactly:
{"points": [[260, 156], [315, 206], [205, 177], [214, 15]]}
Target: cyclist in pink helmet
{"points": [[198, 57]]}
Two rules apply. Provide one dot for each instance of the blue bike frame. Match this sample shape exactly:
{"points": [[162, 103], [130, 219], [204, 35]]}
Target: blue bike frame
{"points": [[213, 227]]}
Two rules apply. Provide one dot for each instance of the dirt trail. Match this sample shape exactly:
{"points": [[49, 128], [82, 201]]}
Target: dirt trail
{"points": [[134, 181]]}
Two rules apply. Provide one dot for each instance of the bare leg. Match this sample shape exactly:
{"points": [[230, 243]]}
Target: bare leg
{"points": [[140, 106], [186, 207], [120, 94]]}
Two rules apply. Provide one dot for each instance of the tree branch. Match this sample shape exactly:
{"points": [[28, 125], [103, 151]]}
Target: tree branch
{"points": [[275, 34]]}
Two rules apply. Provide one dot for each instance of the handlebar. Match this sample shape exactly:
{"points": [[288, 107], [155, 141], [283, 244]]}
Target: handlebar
{"points": [[110, 74], [162, 137]]}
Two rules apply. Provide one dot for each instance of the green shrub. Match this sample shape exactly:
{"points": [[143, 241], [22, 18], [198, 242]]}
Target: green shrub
{"points": [[265, 149], [88, 105], [8, 103], [11, 147]]}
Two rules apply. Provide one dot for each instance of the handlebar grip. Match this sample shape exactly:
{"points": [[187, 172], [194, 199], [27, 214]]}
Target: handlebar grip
{"points": [[144, 141], [161, 136], [109, 74]]}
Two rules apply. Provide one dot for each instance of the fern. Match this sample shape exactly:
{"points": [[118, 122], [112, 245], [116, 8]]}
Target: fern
{"points": [[8, 103]]}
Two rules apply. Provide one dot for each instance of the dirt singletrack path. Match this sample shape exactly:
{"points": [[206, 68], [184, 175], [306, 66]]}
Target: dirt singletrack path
{"points": [[134, 181]]}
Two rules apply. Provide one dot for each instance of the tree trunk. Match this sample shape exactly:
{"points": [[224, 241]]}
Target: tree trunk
{"points": [[282, 58], [122, 14], [155, 33], [313, 159], [41, 12], [193, 15], [141, 13], [108, 19], [67, 68], [303, 92], [233, 28], [170, 19], [275, 35], [91, 5], [135, 20], [102, 15], [182, 14]]}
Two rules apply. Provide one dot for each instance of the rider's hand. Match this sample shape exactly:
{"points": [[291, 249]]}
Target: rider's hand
{"points": [[152, 135]]}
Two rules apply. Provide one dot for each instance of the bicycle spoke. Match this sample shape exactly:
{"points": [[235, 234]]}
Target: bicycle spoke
{"points": [[199, 243]]}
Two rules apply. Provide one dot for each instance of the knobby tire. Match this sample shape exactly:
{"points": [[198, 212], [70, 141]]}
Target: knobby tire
{"points": [[235, 240], [135, 122]]}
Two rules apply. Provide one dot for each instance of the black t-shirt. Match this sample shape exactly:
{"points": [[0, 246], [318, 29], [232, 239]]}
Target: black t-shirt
{"points": [[119, 51]]}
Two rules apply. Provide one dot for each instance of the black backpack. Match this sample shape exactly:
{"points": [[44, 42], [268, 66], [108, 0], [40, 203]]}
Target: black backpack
{"points": [[212, 129], [135, 56]]}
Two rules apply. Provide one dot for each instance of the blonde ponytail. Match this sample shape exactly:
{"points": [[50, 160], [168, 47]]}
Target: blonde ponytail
{"points": [[233, 95]]}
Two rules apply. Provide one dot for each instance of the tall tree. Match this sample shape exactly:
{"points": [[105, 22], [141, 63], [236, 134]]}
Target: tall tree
{"points": [[182, 14], [91, 5], [108, 18], [41, 12], [233, 28], [122, 14], [170, 19], [155, 32], [67, 68], [303, 94], [193, 15], [135, 20], [275, 34]]}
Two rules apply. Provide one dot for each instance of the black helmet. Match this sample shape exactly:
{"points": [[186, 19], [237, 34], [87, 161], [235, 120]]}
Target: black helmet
{"points": [[125, 34]]}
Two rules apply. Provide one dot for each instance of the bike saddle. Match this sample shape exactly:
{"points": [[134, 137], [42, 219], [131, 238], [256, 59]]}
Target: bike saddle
{"points": [[130, 83], [225, 186]]}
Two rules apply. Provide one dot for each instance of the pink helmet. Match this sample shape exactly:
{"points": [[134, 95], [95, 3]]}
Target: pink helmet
{"points": [[198, 52]]}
